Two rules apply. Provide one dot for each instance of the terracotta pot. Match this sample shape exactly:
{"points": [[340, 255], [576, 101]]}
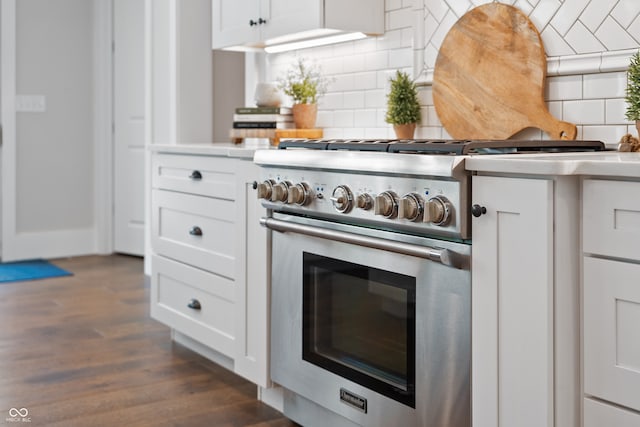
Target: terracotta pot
{"points": [[405, 131], [304, 115], [638, 127]]}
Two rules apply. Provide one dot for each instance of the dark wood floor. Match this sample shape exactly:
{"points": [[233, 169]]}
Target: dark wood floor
{"points": [[83, 351]]}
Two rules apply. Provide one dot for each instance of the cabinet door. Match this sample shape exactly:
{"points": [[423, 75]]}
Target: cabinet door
{"points": [[252, 298], [512, 303], [230, 22], [611, 337], [290, 16]]}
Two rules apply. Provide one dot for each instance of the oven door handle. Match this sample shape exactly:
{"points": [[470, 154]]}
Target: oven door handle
{"points": [[443, 256]]}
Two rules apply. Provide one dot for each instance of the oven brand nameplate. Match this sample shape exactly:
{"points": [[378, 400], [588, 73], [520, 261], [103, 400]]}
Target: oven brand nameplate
{"points": [[353, 400]]}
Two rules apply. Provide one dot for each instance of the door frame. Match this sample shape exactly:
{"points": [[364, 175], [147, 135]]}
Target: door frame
{"points": [[99, 238]]}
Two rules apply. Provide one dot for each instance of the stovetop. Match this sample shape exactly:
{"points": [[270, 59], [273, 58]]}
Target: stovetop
{"points": [[445, 146]]}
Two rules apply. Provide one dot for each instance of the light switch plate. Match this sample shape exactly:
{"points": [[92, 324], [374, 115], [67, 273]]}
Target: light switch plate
{"points": [[31, 104]]}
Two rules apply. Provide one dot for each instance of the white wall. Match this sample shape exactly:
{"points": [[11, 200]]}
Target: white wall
{"points": [[588, 43]]}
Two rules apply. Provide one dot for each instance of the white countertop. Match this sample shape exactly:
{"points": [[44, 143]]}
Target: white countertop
{"points": [[607, 163], [224, 149]]}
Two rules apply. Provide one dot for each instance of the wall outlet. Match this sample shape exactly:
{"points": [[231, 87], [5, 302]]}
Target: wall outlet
{"points": [[31, 104]]}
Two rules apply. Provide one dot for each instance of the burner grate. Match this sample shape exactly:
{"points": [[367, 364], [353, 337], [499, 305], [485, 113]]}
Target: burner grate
{"points": [[445, 146]]}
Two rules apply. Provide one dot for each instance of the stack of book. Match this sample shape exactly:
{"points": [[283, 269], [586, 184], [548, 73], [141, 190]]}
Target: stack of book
{"points": [[263, 118]]}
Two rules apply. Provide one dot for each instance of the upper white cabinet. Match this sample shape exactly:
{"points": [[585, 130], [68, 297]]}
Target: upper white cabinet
{"points": [[253, 23]]}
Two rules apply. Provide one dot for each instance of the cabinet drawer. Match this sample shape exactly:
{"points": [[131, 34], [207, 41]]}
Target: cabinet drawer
{"points": [[199, 231], [611, 337], [204, 175], [175, 286], [611, 218], [598, 414]]}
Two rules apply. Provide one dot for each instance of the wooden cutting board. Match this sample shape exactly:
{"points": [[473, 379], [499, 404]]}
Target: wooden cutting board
{"points": [[490, 76]]}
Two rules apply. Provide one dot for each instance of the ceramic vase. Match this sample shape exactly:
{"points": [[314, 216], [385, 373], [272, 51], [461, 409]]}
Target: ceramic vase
{"points": [[304, 115]]}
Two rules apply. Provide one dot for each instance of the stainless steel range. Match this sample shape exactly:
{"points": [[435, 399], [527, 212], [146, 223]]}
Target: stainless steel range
{"points": [[371, 286]]}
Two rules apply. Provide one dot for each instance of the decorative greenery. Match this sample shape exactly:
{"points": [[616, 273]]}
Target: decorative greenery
{"points": [[304, 82], [633, 89], [402, 100]]}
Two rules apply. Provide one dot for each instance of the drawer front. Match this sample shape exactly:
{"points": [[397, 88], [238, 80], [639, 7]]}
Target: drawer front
{"points": [[611, 218], [199, 231], [598, 414], [203, 175], [175, 288], [611, 331]]}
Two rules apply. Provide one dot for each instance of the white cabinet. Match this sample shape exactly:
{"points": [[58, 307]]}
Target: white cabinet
{"points": [[525, 303], [209, 261], [611, 292], [252, 22]]}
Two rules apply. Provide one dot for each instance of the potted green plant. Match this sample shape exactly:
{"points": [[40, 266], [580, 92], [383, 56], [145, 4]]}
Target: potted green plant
{"points": [[633, 91], [305, 84], [403, 108]]}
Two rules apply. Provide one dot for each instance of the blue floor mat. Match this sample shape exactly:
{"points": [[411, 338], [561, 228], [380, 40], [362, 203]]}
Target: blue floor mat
{"points": [[29, 270]]}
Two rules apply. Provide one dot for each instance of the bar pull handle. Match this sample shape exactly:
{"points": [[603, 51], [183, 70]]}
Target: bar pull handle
{"points": [[441, 255]]}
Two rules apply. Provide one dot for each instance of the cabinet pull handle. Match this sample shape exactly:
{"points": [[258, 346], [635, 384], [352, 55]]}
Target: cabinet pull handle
{"points": [[262, 21], [477, 210], [195, 231], [196, 176], [194, 304], [252, 22]]}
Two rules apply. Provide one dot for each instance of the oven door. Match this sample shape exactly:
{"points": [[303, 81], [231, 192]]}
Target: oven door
{"points": [[373, 325]]}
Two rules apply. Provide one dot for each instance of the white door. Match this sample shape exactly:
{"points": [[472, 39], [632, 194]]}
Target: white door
{"points": [[129, 127], [235, 22]]}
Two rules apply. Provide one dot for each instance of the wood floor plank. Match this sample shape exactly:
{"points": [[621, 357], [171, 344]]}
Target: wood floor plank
{"points": [[83, 351]]}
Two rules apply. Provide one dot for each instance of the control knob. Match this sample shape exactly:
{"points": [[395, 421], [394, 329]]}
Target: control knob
{"points": [[264, 189], [411, 207], [386, 204], [300, 194], [437, 210], [342, 199], [364, 201], [280, 191]]}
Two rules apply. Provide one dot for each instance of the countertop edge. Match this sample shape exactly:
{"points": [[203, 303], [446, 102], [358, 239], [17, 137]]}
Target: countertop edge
{"points": [[243, 151], [610, 163]]}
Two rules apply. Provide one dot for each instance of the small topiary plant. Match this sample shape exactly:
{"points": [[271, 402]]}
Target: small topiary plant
{"points": [[402, 100], [633, 89]]}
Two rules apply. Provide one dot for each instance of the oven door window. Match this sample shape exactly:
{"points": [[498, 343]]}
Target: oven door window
{"points": [[359, 323]]}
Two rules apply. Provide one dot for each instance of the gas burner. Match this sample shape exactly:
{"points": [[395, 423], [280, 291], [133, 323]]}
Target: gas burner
{"points": [[445, 146]]}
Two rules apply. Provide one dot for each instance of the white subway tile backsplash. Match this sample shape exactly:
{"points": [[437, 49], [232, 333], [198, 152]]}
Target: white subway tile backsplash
{"points": [[567, 15], [615, 37], [615, 110], [589, 112], [363, 81], [563, 88], [365, 118], [610, 135], [354, 63], [595, 13], [554, 44], [400, 58], [375, 98], [354, 99], [604, 85], [543, 13], [378, 60], [582, 40], [344, 118], [600, 31], [625, 12]]}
